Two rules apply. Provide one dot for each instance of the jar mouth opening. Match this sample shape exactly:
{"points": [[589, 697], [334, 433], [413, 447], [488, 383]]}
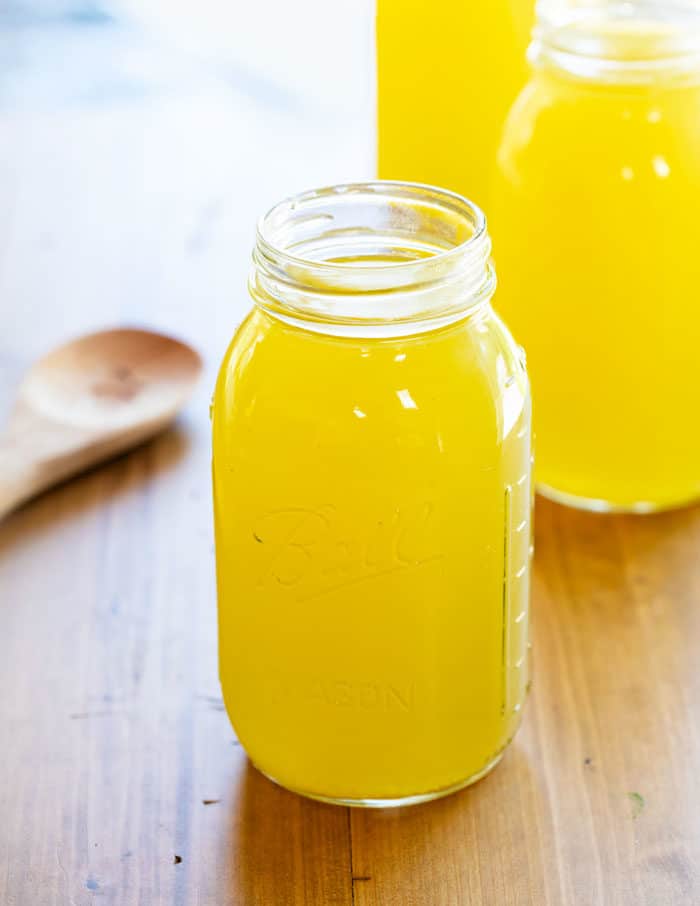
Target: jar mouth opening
{"points": [[382, 232], [633, 41], [377, 252]]}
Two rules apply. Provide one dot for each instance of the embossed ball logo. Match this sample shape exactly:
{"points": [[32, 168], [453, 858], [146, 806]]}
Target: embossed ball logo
{"points": [[313, 552]]}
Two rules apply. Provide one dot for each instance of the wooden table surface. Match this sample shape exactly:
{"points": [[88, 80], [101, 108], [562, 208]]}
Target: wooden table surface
{"points": [[120, 778]]}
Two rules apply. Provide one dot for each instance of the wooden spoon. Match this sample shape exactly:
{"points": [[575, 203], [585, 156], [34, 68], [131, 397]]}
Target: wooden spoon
{"points": [[87, 401]]}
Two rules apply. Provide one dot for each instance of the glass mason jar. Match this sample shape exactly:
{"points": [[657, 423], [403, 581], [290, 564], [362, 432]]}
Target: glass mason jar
{"points": [[594, 217], [371, 466]]}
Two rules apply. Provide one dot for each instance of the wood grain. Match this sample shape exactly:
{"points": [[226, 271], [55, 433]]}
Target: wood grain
{"points": [[114, 737], [112, 731], [597, 802]]}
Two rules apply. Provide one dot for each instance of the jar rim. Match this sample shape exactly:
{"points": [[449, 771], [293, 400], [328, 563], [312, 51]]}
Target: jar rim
{"points": [[378, 186], [628, 41], [378, 252]]}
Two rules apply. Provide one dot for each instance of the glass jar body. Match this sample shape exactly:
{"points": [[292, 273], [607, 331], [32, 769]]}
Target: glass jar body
{"points": [[372, 509], [594, 218], [447, 74]]}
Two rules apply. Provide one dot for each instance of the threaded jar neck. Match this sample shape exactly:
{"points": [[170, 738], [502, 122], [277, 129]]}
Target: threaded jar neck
{"points": [[385, 257], [633, 42]]}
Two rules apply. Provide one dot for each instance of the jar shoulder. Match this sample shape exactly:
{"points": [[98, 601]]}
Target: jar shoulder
{"points": [[555, 116], [470, 370], [288, 354], [592, 150]]}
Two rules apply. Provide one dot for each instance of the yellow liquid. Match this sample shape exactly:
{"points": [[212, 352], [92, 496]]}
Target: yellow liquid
{"points": [[595, 225], [447, 74], [372, 509]]}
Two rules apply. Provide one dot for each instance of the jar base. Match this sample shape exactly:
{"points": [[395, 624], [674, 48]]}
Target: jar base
{"points": [[593, 505], [392, 802]]}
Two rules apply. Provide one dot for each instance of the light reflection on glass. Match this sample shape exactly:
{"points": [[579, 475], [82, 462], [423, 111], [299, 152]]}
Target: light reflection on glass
{"points": [[661, 167], [406, 399]]}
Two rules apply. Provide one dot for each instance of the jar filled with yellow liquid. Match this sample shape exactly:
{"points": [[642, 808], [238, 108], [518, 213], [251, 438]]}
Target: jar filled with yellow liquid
{"points": [[595, 209], [447, 74], [371, 467]]}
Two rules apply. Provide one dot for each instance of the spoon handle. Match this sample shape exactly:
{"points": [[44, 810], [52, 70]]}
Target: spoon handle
{"points": [[20, 476], [34, 455]]}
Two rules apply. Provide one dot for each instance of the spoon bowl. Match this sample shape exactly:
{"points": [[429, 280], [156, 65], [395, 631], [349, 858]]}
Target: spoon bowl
{"points": [[89, 400]]}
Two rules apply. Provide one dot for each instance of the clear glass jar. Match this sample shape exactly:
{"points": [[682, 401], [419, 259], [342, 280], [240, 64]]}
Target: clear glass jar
{"points": [[371, 467], [594, 216]]}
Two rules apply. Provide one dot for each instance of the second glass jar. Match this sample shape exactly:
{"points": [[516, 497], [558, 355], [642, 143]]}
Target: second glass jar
{"points": [[595, 221]]}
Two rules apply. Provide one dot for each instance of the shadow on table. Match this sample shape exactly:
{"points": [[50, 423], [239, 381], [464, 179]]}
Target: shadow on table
{"points": [[77, 497], [466, 848], [285, 849], [588, 526], [597, 553]]}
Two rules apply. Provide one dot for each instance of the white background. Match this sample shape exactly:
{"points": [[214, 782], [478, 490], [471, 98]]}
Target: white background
{"points": [[141, 140]]}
